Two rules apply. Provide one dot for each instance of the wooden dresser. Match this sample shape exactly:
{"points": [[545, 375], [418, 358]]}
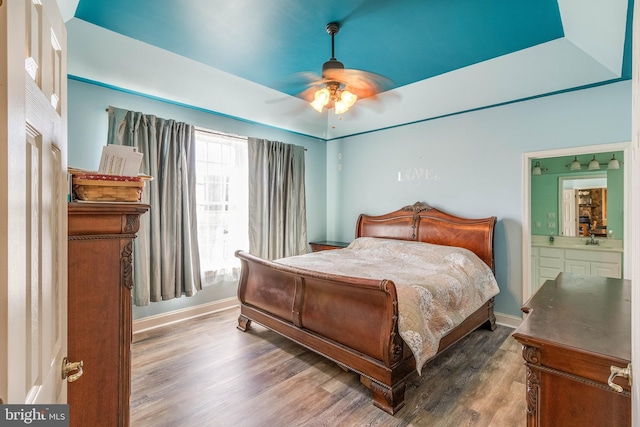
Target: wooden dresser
{"points": [[99, 310], [576, 329]]}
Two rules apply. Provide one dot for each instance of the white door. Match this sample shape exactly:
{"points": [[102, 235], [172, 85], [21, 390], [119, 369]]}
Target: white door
{"points": [[569, 223], [33, 217]]}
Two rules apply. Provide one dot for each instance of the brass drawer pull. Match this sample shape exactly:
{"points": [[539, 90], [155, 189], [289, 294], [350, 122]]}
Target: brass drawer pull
{"points": [[619, 372], [68, 367]]}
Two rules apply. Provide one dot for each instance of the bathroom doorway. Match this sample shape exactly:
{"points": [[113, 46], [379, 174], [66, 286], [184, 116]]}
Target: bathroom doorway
{"points": [[550, 226]]}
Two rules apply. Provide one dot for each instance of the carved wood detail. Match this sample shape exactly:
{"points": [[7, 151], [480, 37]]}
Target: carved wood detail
{"points": [[533, 386], [397, 344], [396, 341], [132, 223], [531, 354], [416, 208], [102, 236], [391, 399], [126, 262]]}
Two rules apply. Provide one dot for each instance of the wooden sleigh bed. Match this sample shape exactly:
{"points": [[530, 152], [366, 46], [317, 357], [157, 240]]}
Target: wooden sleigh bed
{"points": [[354, 321]]}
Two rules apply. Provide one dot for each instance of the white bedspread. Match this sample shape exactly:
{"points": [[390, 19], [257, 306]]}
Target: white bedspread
{"points": [[438, 286]]}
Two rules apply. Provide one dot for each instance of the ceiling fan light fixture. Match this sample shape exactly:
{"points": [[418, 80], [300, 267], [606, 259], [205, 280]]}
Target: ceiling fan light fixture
{"points": [[348, 98], [340, 107], [321, 98], [346, 101]]}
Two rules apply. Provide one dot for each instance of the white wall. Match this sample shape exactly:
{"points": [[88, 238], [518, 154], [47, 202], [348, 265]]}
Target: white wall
{"points": [[469, 165]]}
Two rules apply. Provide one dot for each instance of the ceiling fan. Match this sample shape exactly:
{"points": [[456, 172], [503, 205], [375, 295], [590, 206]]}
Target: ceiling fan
{"points": [[340, 87]]}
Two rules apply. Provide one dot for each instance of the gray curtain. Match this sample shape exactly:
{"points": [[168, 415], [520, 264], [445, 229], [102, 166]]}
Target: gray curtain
{"points": [[166, 259], [277, 207]]}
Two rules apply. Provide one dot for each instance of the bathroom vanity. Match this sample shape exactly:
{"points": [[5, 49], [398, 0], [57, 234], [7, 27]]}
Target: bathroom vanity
{"points": [[574, 255]]}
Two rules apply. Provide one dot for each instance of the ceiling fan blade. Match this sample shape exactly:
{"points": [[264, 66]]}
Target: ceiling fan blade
{"points": [[362, 83], [298, 82], [308, 94], [303, 78], [379, 104]]}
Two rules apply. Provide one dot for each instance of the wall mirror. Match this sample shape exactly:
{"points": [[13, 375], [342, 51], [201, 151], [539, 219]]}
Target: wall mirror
{"points": [[582, 206]]}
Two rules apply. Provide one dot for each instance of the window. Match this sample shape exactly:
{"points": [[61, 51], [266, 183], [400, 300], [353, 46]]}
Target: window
{"points": [[222, 203]]}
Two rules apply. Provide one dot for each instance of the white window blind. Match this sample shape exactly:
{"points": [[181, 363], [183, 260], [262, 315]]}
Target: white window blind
{"points": [[222, 203]]}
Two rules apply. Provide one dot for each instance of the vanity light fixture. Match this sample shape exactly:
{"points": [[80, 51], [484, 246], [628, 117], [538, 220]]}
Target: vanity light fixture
{"points": [[575, 165], [594, 164], [537, 169]]}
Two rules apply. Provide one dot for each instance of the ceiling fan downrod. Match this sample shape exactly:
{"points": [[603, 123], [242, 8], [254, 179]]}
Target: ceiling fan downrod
{"points": [[332, 63], [332, 29]]}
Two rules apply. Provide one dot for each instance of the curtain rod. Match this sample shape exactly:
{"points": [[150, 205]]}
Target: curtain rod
{"points": [[212, 131], [215, 132]]}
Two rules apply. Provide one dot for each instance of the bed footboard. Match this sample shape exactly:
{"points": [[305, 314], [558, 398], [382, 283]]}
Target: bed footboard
{"points": [[348, 320]]}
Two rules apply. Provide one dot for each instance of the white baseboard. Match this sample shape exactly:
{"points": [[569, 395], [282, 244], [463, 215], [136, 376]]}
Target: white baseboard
{"points": [[164, 319], [508, 320]]}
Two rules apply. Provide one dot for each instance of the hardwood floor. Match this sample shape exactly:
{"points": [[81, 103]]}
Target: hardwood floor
{"points": [[204, 372]]}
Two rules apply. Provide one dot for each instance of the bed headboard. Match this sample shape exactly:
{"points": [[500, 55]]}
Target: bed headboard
{"points": [[420, 222]]}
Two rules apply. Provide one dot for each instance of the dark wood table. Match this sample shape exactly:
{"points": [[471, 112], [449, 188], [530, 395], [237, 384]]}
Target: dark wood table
{"points": [[324, 245], [576, 329]]}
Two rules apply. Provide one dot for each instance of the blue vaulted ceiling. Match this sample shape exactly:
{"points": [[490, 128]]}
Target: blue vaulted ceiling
{"points": [[240, 58], [268, 41]]}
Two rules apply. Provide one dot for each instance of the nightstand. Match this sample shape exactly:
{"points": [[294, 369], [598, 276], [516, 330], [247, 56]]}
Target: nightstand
{"points": [[324, 245]]}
